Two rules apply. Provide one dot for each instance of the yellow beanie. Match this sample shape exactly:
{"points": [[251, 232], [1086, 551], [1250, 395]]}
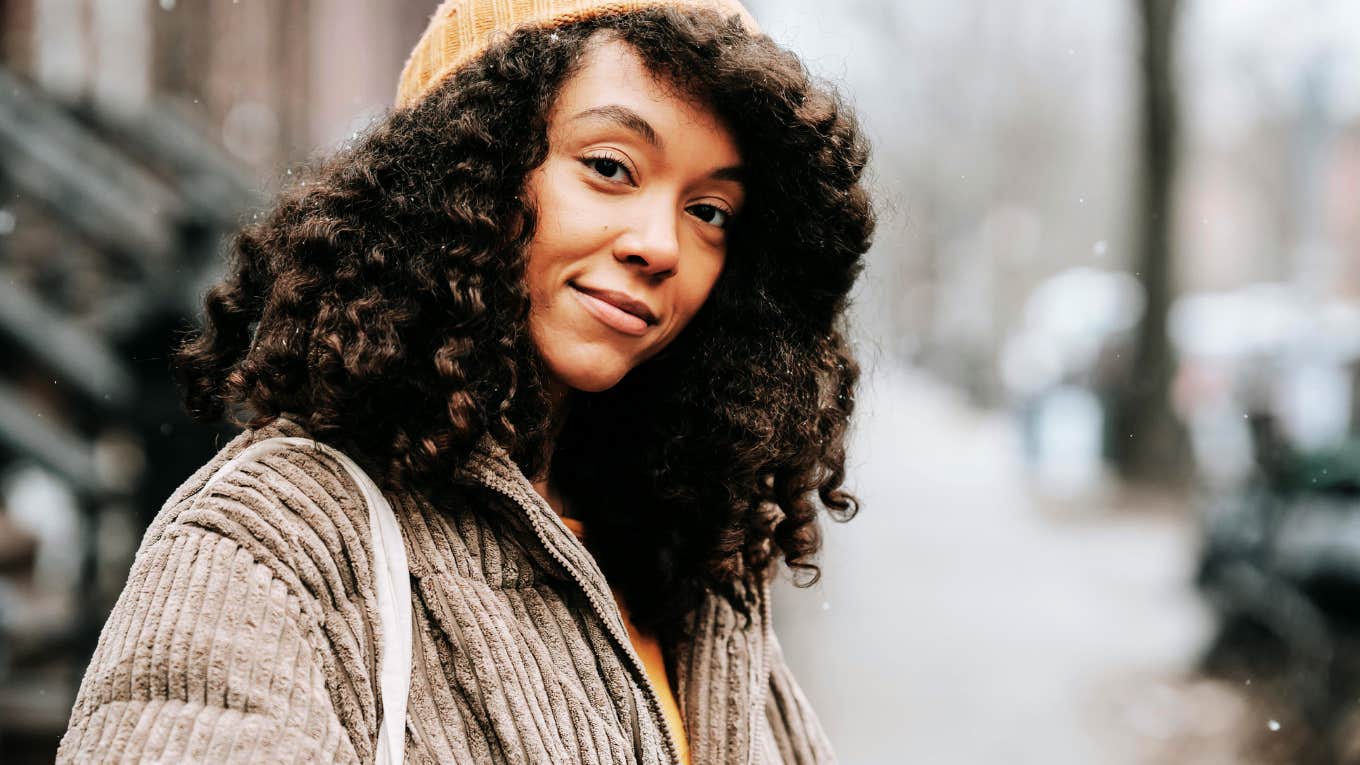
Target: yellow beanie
{"points": [[461, 29]]}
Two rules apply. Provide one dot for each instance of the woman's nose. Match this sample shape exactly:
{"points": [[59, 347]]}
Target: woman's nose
{"points": [[652, 242]]}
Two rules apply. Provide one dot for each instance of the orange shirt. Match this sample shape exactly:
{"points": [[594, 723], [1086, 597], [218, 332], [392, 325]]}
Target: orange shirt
{"points": [[649, 650]]}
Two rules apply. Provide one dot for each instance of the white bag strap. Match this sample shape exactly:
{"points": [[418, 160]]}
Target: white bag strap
{"points": [[392, 583]]}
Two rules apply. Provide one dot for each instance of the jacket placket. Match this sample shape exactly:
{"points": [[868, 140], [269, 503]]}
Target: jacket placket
{"points": [[494, 470], [713, 628]]}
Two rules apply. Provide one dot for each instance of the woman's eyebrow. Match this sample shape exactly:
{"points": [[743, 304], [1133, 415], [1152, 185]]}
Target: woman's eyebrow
{"points": [[633, 121], [625, 117]]}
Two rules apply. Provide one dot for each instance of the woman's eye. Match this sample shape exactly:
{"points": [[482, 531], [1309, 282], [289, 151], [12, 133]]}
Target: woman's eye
{"points": [[611, 169], [712, 215]]}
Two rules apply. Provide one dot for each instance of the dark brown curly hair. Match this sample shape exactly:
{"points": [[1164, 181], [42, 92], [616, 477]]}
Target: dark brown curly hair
{"points": [[382, 303]]}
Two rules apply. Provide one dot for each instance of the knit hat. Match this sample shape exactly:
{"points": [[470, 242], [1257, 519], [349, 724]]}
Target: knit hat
{"points": [[459, 30]]}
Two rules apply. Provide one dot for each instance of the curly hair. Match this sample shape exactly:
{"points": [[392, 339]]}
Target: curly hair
{"points": [[382, 304]]}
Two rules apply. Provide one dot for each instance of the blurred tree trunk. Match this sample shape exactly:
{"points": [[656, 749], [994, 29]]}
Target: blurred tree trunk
{"points": [[1147, 441]]}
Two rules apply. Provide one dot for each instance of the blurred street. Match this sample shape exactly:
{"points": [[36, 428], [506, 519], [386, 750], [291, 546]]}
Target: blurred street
{"points": [[1016, 630]]}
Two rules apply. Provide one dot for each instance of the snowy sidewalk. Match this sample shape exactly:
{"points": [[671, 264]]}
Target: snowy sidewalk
{"points": [[958, 622]]}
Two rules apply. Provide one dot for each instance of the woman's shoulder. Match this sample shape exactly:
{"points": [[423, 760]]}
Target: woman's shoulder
{"points": [[233, 449], [273, 492], [246, 609]]}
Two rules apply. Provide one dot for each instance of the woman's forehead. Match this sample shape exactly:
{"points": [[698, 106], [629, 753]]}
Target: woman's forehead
{"points": [[614, 84], [612, 67]]}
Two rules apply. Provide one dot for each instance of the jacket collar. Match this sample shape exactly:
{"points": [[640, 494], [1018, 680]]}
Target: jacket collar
{"points": [[491, 466], [721, 660]]}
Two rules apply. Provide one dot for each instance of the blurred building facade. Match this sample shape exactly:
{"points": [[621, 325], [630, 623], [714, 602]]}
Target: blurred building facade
{"points": [[135, 137]]}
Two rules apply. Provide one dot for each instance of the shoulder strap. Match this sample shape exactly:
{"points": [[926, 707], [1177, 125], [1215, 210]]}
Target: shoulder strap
{"points": [[392, 583]]}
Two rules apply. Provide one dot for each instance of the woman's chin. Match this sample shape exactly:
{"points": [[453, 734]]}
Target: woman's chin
{"points": [[591, 377]]}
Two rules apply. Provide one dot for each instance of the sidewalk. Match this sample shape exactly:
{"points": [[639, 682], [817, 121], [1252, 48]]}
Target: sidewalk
{"points": [[958, 622]]}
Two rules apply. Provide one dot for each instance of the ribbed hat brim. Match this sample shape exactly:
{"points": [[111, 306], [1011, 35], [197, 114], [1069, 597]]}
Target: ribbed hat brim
{"points": [[459, 30]]}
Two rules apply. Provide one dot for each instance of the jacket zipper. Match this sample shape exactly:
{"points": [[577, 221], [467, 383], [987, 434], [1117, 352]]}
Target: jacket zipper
{"points": [[668, 738]]}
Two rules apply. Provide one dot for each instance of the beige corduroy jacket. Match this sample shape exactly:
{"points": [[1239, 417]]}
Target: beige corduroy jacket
{"points": [[248, 633]]}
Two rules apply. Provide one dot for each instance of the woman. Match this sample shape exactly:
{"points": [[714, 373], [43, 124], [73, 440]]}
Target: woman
{"points": [[575, 306]]}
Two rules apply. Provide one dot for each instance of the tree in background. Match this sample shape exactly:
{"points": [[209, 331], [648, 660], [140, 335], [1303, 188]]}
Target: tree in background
{"points": [[1147, 441]]}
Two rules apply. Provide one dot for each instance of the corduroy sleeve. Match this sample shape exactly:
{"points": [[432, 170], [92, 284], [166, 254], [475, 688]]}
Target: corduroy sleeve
{"points": [[794, 729], [205, 658], [243, 632]]}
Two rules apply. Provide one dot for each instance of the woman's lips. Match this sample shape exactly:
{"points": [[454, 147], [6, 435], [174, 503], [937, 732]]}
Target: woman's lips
{"points": [[599, 304]]}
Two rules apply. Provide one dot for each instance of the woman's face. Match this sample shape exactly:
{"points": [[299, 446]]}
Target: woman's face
{"points": [[633, 202]]}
